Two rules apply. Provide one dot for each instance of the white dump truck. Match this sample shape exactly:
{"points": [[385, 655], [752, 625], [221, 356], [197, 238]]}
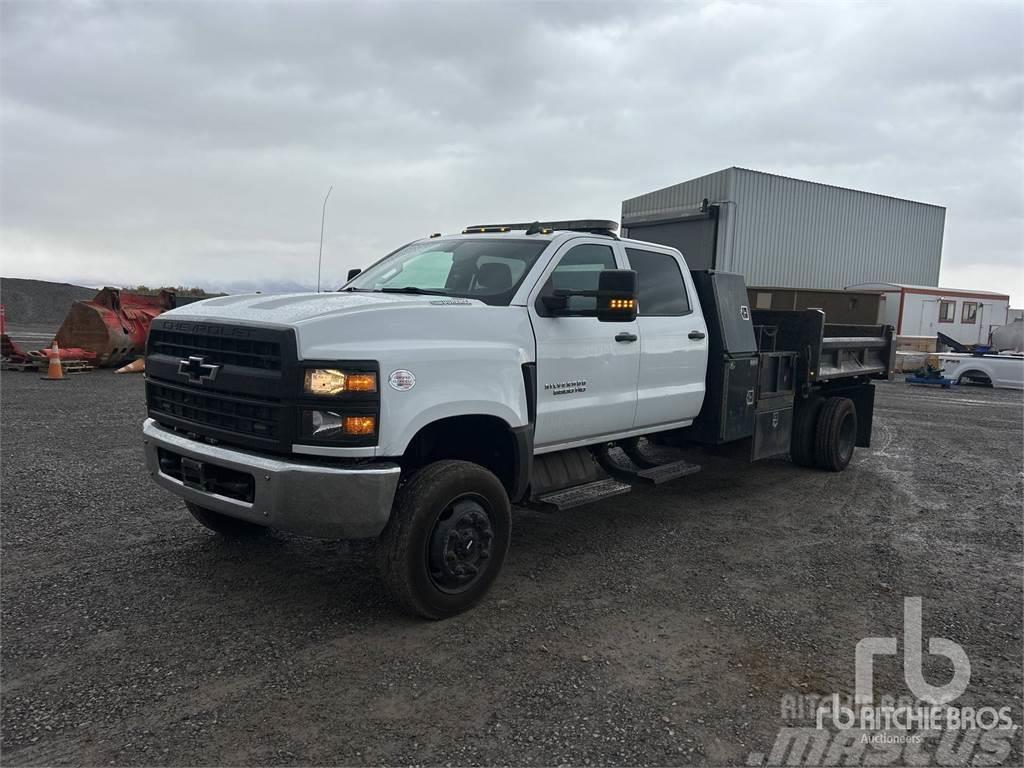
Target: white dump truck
{"points": [[548, 364]]}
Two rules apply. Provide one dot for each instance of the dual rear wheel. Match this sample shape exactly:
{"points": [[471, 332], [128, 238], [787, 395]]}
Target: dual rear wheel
{"points": [[824, 433]]}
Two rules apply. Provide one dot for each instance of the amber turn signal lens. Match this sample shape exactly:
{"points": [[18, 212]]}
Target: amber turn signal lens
{"points": [[621, 303], [361, 382], [360, 425]]}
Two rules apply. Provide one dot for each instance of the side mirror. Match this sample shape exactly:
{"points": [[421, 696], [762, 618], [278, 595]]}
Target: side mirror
{"points": [[616, 296], [353, 272]]}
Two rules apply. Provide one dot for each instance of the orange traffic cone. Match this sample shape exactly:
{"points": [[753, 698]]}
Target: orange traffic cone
{"points": [[55, 372], [135, 366]]}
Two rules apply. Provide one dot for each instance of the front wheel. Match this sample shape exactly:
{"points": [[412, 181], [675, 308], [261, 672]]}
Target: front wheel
{"points": [[446, 540]]}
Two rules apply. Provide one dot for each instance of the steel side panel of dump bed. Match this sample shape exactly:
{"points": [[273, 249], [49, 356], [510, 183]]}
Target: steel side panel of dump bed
{"points": [[827, 352]]}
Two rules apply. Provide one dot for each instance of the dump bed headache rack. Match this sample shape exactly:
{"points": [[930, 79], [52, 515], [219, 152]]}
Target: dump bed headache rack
{"points": [[827, 351]]}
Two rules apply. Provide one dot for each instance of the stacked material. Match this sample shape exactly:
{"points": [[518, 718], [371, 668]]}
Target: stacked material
{"points": [[912, 361], [916, 343]]}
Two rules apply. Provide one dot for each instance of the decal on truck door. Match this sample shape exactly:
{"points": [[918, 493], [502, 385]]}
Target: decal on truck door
{"points": [[566, 387]]}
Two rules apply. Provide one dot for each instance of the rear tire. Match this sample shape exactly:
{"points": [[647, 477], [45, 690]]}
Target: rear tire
{"points": [[805, 422], [446, 540], [228, 527], [835, 434]]}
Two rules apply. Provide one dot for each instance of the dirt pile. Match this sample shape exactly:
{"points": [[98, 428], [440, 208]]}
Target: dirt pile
{"points": [[38, 302]]}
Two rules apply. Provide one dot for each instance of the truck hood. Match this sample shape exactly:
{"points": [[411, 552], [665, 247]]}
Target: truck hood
{"points": [[338, 326], [294, 309]]}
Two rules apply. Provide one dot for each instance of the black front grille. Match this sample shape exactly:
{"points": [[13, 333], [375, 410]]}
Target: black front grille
{"points": [[247, 388], [251, 373], [250, 417], [217, 349]]}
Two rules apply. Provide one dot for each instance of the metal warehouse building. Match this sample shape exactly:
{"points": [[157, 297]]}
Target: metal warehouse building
{"points": [[786, 233]]}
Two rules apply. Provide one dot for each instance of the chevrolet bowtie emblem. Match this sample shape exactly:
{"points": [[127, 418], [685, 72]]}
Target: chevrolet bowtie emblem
{"points": [[198, 372]]}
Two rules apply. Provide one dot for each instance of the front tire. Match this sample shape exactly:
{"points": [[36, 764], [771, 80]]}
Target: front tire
{"points": [[446, 540], [835, 434], [228, 527]]}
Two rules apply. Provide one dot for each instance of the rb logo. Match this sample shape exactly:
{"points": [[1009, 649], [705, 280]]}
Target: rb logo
{"points": [[936, 695]]}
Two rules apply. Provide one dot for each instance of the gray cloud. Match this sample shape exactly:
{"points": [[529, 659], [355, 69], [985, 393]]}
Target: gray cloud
{"points": [[192, 143]]}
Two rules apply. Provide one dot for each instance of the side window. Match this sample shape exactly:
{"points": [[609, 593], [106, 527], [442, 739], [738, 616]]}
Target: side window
{"points": [[970, 312], [578, 270], [947, 311], [662, 292]]}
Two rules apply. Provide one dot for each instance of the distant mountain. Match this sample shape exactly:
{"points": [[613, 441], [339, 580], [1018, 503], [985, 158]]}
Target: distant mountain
{"points": [[38, 302], [269, 286]]}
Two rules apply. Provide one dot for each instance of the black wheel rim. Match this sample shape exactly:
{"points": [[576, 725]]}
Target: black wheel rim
{"points": [[460, 544], [847, 437]]}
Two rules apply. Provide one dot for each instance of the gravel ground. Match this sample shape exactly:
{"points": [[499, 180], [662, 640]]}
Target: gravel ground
{"points": [[662, 628]]}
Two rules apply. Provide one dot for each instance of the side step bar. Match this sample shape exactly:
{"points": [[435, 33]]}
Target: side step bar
{"points": [[579, 476], [587, 493], [619, 463]]}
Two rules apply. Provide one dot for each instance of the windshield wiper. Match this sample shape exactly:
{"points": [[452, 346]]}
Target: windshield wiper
{"points": [[413, 289]]}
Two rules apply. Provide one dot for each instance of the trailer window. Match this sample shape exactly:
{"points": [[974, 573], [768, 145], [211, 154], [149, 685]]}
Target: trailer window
{"points": [[662, 292], [969, 313], [947, 311]]}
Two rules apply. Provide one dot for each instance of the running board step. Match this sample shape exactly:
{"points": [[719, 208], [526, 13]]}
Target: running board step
{"points": [[588, 493], [620, 464], [660, 474]]}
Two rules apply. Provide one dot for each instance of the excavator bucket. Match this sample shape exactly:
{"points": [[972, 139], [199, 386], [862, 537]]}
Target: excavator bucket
{"points": [[113, 325]]}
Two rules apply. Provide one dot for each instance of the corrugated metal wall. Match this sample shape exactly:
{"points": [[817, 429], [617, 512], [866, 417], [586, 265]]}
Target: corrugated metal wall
{"points": [[783, 232], [679, 199]]}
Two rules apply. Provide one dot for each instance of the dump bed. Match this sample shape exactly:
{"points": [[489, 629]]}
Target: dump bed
{"points": [[825, 351]]}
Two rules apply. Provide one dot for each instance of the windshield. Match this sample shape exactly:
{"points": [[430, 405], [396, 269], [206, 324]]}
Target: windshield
{"points": [[488, 269]]}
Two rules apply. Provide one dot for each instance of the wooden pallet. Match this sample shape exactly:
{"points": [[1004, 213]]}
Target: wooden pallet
{"points": [[68, 366], [13, 365], [38, 362]]}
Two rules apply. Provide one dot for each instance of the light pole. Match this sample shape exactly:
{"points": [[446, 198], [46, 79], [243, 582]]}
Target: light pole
{"points": [[320, 258]]}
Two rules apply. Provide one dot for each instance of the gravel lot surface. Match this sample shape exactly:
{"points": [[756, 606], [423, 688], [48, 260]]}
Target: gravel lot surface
{"points": [[662, 628]]}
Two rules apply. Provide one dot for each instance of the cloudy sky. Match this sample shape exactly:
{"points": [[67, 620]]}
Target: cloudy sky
{"points": [[178, 143]]}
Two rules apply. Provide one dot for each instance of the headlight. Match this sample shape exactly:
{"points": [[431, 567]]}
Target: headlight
{"points": [[331, 381], [330, 424]]}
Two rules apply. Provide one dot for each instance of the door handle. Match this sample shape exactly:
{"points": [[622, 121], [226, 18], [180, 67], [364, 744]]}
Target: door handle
{"points": [[696, 335], [625, 337]]}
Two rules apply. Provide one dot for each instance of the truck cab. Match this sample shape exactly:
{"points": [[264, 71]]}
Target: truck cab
{"points": [[547, 364]]}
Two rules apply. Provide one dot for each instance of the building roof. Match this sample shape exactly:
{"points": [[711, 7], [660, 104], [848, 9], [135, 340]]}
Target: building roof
{"points": [[741, 169], [930, 289], [834, 186]]}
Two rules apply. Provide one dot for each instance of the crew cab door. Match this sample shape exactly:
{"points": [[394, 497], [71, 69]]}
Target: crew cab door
{"points": [[673, 339], [586, 369]]}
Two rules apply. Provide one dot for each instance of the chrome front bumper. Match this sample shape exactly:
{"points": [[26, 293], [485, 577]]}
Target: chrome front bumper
{"points": [[309, 499]]}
